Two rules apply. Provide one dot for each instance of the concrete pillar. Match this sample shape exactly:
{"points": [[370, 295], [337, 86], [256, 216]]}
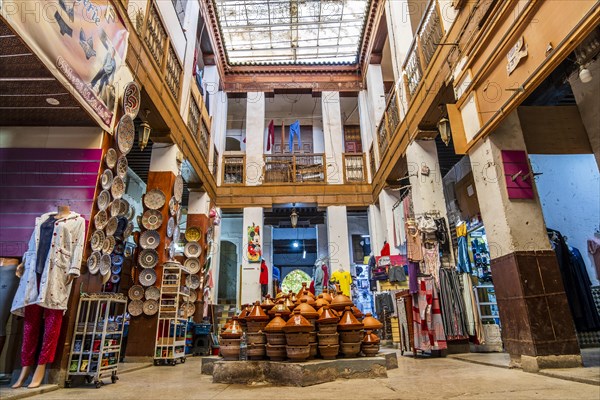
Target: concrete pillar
{"points": [[267, 247], [197, 217], [337, 233], [375, 101], [211, 90], [214, 251], [387, 199], [322, 242], [400, 33], [219, 130], [366, 129], [333, 135], [375, 228], [255, 137], [250, 271], [537, 327]]}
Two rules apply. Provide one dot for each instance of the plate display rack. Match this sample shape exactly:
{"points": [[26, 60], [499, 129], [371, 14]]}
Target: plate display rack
{"points": [[96, 344], [172, 322]]}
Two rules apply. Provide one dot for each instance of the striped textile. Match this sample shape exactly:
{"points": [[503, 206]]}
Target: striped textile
{"points": [[427, 318]]}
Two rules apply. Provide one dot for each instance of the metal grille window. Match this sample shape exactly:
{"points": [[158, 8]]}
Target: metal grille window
{"points": [[233, 170]]}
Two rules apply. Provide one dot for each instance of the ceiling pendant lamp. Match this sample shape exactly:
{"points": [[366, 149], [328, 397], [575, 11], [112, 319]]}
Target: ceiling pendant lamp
{"points": [[294, 217]]}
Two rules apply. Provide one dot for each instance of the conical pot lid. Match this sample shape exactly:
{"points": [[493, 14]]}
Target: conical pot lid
{"points": [[348, 321], [267, 303], [340, 301], [276, 324], [327, 316], [306, 309], [234, 331], [281, 309], [327, 296], [357, 313], [304, 287], [371, 338], [297, 323], [371, 322], [293, 298], [321, 301], [306, 296], [242, 315], [256, 313], [289, 304]]}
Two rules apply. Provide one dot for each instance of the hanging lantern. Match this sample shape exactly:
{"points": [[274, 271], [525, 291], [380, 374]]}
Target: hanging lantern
{"points": [[294, 218], [444, 129], [144, 134]]}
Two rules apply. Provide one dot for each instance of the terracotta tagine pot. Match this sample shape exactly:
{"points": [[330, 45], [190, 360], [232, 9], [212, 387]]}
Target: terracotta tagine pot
{"points": [[355, 336], [327, 316], [292, 297], [350, 350], [280, 309], [357, 313], [267, 303], [340, 302], [313, 351], [276, 352], [256, 338], [298, 353], [307, 296], [226, 326], [329, 352], [348, 321], [297, 323], [234, 331], [326, 295], [230, 349], [329, 339], [320, 302], [304, 288], [242, 315], [289, 303], [306, 310], [370, 344], [255, 351], [256, 313], [371, 322], [276, 324]]}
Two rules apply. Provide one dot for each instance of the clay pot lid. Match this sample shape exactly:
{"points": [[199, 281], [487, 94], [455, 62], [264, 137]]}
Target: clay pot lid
{"points": [[348, 321], [289, 304], [292, 297], [371, 322], [328, 316], [306, 309], [326, 295], [281, 309], [242, 315], [371, 338], [321, 301], [267, 303], [302, 289], [357, 313], [234, 331], [276, 324], [297, 323], [226, 326], [257, 313], [340, 301], [306, 296]]}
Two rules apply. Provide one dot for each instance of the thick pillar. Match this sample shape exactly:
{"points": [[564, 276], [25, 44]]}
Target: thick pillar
{"points": [[337, 233], [366, 130], [537, 326], [267, 248], [387, 199], [163, 170], [211, 90], [253, 216], [375, 228], [214, 251], [322, 242], [255, 137], [375, 102], [197, 217], [219, 131], [333, 135]]}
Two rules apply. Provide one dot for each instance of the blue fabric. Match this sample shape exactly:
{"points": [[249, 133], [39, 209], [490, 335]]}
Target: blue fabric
{"points": [[464, 263], [295, 131], [46, 231], [276, 273]]}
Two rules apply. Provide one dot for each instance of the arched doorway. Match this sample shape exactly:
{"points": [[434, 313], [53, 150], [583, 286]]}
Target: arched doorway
{"points": [[293, 281], [227, 292]]}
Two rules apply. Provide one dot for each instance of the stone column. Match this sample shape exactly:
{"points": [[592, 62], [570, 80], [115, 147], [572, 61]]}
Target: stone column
{"points": [[366, 130], [219, 131], [375, 228], [337, 234], [255, 137], [387, 199], [267, 247], [537, 327], [334, 137], [197, 217], [375, 102], [322, 242], [250, 271]]}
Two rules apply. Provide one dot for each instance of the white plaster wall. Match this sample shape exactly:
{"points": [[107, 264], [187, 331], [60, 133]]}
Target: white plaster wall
{"points": [[164, 158], [366, 129], [427, 191], [448, 13], [337, 233], [400, 32], [250, 271], [333, 137], [190, 24], [387, 198], [569, 191], [198, 202], [267, 236], [255, 129], [318, 136], [50, 137], [375, 101], [375, 228], [173, 27], [219, 129], [230, 230]]}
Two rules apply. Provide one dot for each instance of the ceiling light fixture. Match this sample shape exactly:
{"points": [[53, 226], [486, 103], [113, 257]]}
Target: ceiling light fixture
{"points": [[52, 101], [295, 245], [294, 217], [585, 75]]}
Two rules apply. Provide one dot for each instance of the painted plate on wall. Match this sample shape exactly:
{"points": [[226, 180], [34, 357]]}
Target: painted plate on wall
{"points": [[115, 278], [115, 269], [155, 199], [192, 234], [97, 239], [192, 249], [93, 262], [122, 165], [150, 307], [105, 264], [150, 240], [119, 208], [125, 134], [148, 258], [117, 261], [118, 188], [108, 245], [193, 296], [147, 277], [192, 265], [192, 281], [152, 293], [136, 292], [100, 219], [131, 99], [170, 226], [112, 225], [103, 200], [173, 206], [152, 219], [176, 234], [128, 231], [110, 158], [106, 179], [178, 188], [135, 308]]}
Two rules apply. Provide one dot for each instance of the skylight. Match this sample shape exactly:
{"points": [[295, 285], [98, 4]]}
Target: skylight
{"points": [[291, 31]]}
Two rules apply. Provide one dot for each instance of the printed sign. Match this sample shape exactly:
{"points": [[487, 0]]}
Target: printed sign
{"points": [[254, 252], [515, 55]]}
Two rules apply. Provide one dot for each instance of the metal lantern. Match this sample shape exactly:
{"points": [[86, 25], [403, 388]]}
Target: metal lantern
{"points": [[444, 129], [144, 134], [294, 218]]}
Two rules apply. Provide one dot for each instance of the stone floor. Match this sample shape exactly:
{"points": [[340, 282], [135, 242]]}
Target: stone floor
{"points": [[439, 378]]}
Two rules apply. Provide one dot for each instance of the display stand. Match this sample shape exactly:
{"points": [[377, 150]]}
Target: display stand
{"points": [[96, 345], [172, 326]]}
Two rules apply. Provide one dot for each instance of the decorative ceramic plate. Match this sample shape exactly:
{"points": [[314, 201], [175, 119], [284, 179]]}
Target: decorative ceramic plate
{"points": [[192, 265], [105, 264], [108, 245], [118, 188], [93, 262], [136, 292], [130, 212], [117, 260], [187, 309], [131, 99], [150, 307], [115, 278], [192, 281], [110, 158], [128, 230], [152, 293], [106, 179], [147, 277], [150, 240], [152, 219], [173, 206], [192, 249], [112, 225], [170, 226], [103, 200], [178, 188], [135, 308], [172, 251], [122, 165], [192, 234], [115, 269], [193, 296], [154, 199], [148, 258], [176, 234], [178, 215], [97, 239], [125, 134], [119, 208]]}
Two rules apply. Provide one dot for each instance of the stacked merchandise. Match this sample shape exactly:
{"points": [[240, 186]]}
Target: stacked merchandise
{"points": [[256, 321]]}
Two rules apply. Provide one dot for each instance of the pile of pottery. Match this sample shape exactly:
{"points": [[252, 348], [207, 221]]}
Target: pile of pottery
{"points": [[276, 350], [370, 343], [328, 335], [256, 321], [230, 340], [351, 334], [307, 311], [297, 337]]}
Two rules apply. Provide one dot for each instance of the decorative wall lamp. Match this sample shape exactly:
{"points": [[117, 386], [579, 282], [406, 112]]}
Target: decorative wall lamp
{"points": [[144, 131], [444, 129]]}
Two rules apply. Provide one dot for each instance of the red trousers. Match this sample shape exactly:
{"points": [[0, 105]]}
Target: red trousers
{"points": [[34, 315]]}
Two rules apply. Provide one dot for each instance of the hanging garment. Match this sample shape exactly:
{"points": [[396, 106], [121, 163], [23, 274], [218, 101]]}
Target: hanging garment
{"points": [[404, 304], [325, 269], [454, 312], [383, 301], [344, 279], [427, 319], [264, 273], [385, 250], [295, 131], [396, 273], [577, 284], [594, 250], [442, 235], [319, 281], [413, 241], [413, 272], [271, 135], [472, 317], [431, 260], [399, 232], [463, 264]]}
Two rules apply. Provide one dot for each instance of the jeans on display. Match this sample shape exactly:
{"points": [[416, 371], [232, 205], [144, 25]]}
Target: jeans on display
{"points": [[464, 263], [34, 317]]}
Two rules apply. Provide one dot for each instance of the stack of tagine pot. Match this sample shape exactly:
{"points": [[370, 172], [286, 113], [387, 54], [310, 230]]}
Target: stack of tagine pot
{"points": [[276, 339], [370, 343], [256, 321], [297, 336], [308, 312], [230, 341], [351, 334], [328, 336]]}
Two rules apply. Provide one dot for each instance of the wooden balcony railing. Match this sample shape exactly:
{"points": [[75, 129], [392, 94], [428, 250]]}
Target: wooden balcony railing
{"points": [[294, 168], [372, 162], [383, 137], [197, 122], [354, 168], [203, 139], [233, 169]]}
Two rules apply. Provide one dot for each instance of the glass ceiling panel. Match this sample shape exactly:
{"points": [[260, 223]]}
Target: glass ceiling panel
{"points": [[292, 31]]}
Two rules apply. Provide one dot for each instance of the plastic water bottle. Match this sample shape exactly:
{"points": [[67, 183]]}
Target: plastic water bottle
{"points": [[243, 348]]}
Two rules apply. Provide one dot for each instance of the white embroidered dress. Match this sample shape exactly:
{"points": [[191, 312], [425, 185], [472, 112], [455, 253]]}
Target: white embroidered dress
{"points": [[64, 258]]}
